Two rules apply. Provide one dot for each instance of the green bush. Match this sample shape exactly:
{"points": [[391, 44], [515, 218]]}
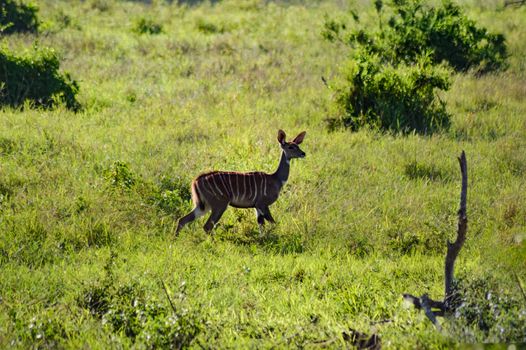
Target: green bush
{"points": [[35, 76], [392, 98], [18, 17], [396, 68], [444, 33], [447, 33]]}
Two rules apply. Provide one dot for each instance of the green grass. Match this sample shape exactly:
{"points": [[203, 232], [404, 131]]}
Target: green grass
{"points": [[363, 218]]}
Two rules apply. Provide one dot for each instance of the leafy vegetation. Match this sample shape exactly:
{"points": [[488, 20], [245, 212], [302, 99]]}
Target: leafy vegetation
{"points": [[18, 16], [395, 98], [89, 200], [378, 93], [35, 77]]}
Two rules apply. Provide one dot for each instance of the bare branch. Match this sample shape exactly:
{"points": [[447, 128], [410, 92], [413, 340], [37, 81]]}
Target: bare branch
{"points": [[431, 307], [454, 248]]}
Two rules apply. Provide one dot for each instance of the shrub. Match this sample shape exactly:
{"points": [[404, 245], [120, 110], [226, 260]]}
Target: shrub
{"points": [[147, 26], [396, 68], [35, 76], [392, 98], [447, 33], [444, 33], [18, 17]]}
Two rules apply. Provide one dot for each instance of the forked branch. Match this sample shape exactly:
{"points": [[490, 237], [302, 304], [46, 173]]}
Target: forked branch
{"points": [[431, 307]]}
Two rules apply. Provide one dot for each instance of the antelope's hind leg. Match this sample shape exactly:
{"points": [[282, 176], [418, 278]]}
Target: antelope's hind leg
{"points": [[191, 216], [267, 215], [214, 218]]}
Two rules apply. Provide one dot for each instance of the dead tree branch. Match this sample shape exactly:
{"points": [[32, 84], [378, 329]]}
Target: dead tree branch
{"points": [[434, 308], [454, 248]]}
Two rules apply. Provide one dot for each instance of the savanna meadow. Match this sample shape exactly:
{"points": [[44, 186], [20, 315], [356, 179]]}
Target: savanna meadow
{"points": [[110, 109]]}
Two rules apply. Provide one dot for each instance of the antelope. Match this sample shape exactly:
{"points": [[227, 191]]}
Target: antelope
{"points": [[216, 190]]}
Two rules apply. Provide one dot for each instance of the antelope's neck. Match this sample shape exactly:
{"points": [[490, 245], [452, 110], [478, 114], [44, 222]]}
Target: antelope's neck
{"points": [[282, 173]]}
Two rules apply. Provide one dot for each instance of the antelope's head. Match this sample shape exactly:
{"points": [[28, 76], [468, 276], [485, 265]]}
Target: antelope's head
{"points": [[291, 149]]}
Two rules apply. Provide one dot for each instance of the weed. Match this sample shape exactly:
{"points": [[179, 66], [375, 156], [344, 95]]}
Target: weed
{"points": [[208, 27], [120, 176], [147, 26], [7, 146]]}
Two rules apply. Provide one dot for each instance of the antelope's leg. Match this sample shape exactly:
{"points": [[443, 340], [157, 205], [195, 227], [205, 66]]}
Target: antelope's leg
{"points": [[191, 216], [267, 215], [261, 221], [214, 217]]}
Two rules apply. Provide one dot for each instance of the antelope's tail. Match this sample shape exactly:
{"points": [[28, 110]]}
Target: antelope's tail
{"points": [[196, 197]]}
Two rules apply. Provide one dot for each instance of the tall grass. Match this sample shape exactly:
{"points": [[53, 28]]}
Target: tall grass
{"points": [[363, 218]]}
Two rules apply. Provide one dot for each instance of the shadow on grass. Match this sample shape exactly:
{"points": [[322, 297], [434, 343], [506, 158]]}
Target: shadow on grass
{"points": [[291, 243]]}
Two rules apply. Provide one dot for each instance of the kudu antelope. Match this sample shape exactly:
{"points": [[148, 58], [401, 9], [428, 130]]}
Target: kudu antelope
{"points": [[216, 190]]}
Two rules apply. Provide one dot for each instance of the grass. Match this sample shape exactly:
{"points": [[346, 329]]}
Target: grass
{"points": [[363, 219]]}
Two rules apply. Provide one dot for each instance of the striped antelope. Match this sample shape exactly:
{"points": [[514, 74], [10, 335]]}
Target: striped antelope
{"points": [[217, 190]]}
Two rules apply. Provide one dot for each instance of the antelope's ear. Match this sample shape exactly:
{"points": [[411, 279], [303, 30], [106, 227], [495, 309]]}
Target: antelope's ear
{"points": [[281, 136], [299, 138]]}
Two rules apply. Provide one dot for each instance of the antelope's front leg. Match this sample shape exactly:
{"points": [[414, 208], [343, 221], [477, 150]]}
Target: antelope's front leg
{"points": [[261, 221]]}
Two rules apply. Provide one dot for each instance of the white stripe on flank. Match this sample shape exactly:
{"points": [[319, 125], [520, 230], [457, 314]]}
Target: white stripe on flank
{"points": [[210, 187], [261, 182], [245, 187], [224, 185], [255, 189], [237, 187], [231, 187], [217, 187], [250, 187]]}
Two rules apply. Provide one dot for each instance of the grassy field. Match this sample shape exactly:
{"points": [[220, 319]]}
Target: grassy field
{"points": [[89, 200]]}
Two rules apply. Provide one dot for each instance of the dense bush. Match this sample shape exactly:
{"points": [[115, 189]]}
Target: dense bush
{"points": [[397, 67], [18, 17], [395, 98], [446, 33], [35, 77]]}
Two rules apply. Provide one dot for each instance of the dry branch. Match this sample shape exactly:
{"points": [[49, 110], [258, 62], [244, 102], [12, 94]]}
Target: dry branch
{"points": [[454, 248], [434, 308]]}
